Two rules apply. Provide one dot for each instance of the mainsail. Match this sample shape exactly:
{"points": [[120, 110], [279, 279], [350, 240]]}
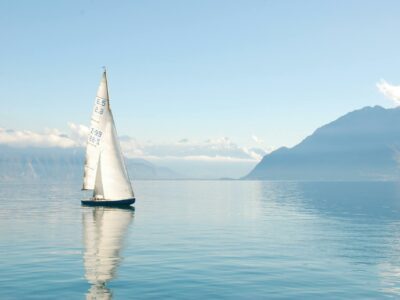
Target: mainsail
{"points": [[105, 170], [97, 125]]}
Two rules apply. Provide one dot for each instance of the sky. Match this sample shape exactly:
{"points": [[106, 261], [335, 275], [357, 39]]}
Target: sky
{"points": [[258, 74]]}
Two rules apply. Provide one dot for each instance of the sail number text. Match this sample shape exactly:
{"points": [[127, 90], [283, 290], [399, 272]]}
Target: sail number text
{"points": [[100, 104], [95, 136]]}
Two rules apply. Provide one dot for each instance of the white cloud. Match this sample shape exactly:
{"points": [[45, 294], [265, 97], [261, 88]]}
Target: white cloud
{"points": [[27, 138], [261, 145], [48, 138], [390, 91], [79, 133], [219, 149], [131, 147], [256, 139]]}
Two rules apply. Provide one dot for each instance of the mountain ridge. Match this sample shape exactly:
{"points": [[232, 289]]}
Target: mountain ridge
{"points": [[361, 145]]}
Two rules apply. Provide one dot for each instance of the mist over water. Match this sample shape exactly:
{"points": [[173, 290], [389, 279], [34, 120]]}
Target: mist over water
{"points": [[203, 239]]}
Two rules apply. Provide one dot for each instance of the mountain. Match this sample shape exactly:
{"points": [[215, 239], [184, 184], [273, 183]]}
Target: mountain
{"points": [[361, 145], [142, 169], [34, 164]]}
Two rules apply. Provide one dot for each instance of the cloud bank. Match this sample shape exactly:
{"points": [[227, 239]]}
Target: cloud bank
{"points": [[210, 150], [220, 149], [390, 91], [27, 138]]}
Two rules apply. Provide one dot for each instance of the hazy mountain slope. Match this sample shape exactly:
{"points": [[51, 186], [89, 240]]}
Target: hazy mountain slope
{"points": [[361, 145], [28, 164]]}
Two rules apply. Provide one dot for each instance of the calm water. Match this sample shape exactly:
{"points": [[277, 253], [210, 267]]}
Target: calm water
{"points": [[202, 239]]}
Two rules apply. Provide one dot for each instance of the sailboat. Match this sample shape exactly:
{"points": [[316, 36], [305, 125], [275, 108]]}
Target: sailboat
{"points": [[105, 171]]}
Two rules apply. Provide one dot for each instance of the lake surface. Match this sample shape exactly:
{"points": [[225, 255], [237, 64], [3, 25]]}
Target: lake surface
{"points": [[202, 240]]}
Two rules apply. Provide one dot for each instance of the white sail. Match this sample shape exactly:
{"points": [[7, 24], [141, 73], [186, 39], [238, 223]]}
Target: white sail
{"points": [[98, 185], [97, 125], [105, 170], [103, 232], [112, 180]]}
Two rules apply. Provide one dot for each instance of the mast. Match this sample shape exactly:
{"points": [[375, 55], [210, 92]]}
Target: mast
{"points": [[106, 83]]}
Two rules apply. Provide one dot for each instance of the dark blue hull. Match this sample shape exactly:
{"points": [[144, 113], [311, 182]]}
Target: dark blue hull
{"points": [[117, 203]]}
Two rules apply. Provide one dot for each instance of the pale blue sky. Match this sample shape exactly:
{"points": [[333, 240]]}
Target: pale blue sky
{"points": [[197, 69]]}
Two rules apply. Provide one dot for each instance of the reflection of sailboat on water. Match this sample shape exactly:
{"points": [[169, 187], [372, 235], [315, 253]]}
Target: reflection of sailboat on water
{"points": [[105, 171], [103, 231]]}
